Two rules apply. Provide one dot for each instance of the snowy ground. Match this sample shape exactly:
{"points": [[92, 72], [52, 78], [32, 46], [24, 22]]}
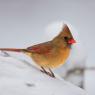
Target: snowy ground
{"points": [[22, 78]]}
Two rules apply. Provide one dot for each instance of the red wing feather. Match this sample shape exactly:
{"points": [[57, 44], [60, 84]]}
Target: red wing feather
{"points": [[42, 48]]}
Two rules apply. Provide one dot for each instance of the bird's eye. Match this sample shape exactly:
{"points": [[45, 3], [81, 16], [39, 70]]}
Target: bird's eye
{"points": [[66, 38]]}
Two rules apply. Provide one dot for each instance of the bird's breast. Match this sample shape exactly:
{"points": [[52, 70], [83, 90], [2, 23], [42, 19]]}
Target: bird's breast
{"points": [[52, 59], [60, 58]]}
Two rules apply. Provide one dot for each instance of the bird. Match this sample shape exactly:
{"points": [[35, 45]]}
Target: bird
{"points": [[50, 54]]}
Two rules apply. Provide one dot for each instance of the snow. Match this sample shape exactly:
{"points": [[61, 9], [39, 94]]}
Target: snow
{"points": [[18, 77]]}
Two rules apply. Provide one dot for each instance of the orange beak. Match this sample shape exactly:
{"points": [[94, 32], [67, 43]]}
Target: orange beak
{"points": [[71, 41]]}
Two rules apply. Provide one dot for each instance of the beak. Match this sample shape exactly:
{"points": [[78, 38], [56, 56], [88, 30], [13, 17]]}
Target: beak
{"points": [[71, 41]]}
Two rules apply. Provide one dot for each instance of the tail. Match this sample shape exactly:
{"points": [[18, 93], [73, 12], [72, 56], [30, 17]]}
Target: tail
{"points": [[13, 49]]}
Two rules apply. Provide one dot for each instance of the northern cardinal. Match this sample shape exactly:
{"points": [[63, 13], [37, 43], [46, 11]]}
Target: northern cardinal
{"points": [[50, 54]]}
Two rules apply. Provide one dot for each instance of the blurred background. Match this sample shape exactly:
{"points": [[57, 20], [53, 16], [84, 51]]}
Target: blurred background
{"points": [[23, 22]]}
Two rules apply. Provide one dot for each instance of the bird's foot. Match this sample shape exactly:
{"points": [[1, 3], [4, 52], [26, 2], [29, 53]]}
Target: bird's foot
{"points": [[48, 73], [51, 74]]}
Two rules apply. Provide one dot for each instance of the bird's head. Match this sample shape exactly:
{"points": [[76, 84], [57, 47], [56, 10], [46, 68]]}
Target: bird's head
{"points": [[65, 37]]}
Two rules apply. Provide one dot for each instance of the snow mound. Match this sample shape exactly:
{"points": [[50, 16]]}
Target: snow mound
{"points": [[21, 78]]}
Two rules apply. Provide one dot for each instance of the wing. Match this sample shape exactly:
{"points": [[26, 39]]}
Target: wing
{"points": [[42, 48]]}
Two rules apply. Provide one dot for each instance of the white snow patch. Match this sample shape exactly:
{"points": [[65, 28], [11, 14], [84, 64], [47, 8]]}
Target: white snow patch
{"points": [[20, 78]]}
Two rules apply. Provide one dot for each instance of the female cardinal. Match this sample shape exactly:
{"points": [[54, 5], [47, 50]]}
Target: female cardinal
{"points": [[50, 54]]}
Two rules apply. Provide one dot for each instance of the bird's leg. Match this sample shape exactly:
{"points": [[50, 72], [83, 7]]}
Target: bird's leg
{"points": [[43, 70], [51, 73], [48, 73]]}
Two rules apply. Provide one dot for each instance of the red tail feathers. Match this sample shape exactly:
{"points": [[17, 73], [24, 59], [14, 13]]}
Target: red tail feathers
{"points": [[12, 49]]}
